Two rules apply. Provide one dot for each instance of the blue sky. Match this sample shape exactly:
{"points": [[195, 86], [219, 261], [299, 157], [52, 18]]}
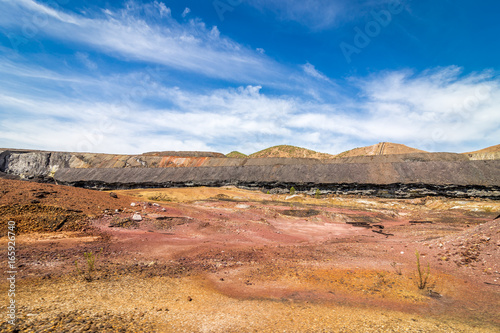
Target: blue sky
{"points": [[223, 75]]}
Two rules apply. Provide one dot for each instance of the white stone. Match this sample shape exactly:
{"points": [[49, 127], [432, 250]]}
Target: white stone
{"points": [[242, 206]]}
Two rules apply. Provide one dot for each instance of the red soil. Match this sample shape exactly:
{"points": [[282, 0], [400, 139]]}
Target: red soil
{"points": [[250, 246]]}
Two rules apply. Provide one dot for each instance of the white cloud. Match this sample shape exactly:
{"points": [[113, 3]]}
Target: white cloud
{"points": [[164, 10], [317, 14], [312, 71], [106, 115], [186, 12], [437, 108], [192, 47], [84, 59]]}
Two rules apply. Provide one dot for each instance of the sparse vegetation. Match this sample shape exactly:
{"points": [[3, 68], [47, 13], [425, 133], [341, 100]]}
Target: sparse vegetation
{"points": [[317, 194], [292, 190], [236, 154], [290, 152], [396, 268], [422, 274], [159, 197], [90, 259]]}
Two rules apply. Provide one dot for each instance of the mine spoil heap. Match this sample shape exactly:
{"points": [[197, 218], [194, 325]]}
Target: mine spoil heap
{"points": [[409, 179], [399, 175]]}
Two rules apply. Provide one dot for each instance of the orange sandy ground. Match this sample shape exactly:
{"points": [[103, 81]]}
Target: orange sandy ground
{"points": [[230, 260]]}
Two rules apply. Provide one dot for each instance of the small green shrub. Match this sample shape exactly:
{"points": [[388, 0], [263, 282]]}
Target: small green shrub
{"points": [[317, 194], [292, 190], [422, 274], [90, 259]]}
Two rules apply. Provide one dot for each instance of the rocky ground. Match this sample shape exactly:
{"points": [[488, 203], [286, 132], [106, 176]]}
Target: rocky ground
{"points": [[229, 260]]}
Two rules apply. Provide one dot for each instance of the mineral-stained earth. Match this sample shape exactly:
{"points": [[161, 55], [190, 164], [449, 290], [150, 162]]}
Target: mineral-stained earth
{"points": [[231, 260]]}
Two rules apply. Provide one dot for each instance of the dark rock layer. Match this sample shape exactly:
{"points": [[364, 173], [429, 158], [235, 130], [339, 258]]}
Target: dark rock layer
{"points": [[400, 179]]}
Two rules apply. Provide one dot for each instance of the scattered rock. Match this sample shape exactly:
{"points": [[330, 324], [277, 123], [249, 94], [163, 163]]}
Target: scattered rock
{"points": [[300, 213], [420, 222], [382, 233], [242, 206], [137, 217], [113, 195], [434, 294]]}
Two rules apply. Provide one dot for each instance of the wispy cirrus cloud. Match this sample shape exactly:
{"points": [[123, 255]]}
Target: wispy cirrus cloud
{"points": [[317, 14], [192, 47], [310, 70]]}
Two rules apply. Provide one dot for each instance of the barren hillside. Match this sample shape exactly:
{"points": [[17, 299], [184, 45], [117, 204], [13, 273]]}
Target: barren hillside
{"points": [[492, 149], [490, 153], [290, 152], [236, 154], [382, 148]]}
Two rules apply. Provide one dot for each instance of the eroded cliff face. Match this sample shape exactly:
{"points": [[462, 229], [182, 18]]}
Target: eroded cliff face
{"points": [[405, 175], [401, 179], [43, 164], [28, 164]]}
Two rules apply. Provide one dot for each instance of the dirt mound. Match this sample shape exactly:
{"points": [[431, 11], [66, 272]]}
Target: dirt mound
{"points": [[39, 218], [478, 248], [382, 148], [236, 154], [290, 152], [88, 201], [399, 158], [45, 207], [490, 153], [185, 154], [492, 149]]}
